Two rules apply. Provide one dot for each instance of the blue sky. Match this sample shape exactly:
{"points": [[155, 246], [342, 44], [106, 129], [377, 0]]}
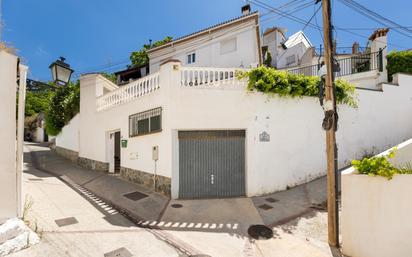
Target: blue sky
{"points": [[96, 34]]}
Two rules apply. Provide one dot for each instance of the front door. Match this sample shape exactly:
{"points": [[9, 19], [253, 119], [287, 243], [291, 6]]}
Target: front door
{"points": [[117, 152], [114, 152]]}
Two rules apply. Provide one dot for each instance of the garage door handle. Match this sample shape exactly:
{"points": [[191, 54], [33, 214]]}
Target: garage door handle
{"points": [[212, 179]]}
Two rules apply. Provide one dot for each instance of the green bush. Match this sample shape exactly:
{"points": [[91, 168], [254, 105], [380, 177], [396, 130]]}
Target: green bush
{"points": [[271, 81], [399, 61], [64, 105], [380, 166]]}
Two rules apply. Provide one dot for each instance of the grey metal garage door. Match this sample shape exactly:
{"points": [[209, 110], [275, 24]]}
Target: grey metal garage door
{"points": [[211, 164]]}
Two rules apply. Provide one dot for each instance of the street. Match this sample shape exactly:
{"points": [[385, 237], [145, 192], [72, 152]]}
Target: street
{"points": [[89, 226]]}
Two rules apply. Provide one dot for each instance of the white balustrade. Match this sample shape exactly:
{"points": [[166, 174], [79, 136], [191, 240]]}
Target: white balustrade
{"points": [[207, 76], [127, 93]]}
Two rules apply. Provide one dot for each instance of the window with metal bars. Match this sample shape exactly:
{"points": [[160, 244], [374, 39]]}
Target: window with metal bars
{"points": [[145, 122]]}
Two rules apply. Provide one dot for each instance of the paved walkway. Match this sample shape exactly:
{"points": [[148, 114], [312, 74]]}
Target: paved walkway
{"points": [[95, 229], [214, 227]]}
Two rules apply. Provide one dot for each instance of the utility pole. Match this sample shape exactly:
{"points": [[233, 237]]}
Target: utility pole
{"points": [[330, 127]]}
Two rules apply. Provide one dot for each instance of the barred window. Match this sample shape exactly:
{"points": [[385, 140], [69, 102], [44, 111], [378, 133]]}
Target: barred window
{"points": [[145, 122]]}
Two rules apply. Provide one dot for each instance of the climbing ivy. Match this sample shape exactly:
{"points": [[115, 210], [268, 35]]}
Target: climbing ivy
{"points": [[284, 84], [64, 105]]}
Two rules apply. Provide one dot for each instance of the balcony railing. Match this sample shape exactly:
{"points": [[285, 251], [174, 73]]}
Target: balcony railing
{"points": [[347, 66], [207, 76], [127, 93]]}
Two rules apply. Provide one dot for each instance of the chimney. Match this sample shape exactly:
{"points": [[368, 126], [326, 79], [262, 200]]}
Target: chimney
{"points": [[355, 48], [378, 33], [246, 9]]}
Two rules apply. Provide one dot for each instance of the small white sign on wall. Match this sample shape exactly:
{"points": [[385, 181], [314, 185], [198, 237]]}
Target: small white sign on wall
{"points": [[134, 156], [264, 137]]}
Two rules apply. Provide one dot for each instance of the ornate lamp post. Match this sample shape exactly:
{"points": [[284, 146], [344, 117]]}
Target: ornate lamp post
{"points": [[61, 72]]}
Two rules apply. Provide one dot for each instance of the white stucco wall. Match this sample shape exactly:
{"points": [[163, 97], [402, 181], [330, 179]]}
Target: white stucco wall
{"points": [[376, 211], [295, 153], [69, 136], [207, 49], [95, 127], [38, 135], [8, 86]]}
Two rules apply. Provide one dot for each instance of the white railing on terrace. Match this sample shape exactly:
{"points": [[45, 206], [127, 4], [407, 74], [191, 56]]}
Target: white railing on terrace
{"points": [[127, 93], [207, 76]]}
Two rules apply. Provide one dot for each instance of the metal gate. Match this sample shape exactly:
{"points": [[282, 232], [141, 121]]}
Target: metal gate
{"points": [[211, 164]]}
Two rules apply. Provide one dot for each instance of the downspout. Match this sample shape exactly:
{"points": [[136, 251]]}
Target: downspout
{"points": [[22, 71]]}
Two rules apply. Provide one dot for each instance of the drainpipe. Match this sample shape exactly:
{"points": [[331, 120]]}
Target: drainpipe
{"points": [[20, 136]]}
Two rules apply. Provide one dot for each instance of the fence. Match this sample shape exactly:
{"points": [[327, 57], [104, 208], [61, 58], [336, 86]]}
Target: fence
{"points": [[129, 92], [347, 66], [206, 76]]}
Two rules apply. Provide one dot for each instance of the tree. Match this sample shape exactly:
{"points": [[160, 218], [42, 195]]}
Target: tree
{"points": [[141, 57], [64, 105], [37, 102], [268, 59]]}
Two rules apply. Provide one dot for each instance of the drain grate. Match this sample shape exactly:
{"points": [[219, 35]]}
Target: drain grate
{"points": [[121, 252], [135, 196], [176, 205], [259, 232], [66, 221], [271, 200], [200, 255], [265, 207]]}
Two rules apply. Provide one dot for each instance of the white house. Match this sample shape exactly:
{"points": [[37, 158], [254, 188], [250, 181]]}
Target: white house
{"points": [[233, 43], [286, 52], [191, 130]]}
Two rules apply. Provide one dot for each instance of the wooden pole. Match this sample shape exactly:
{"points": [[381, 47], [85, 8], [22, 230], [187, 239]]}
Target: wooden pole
{"points": [[330, 106]]}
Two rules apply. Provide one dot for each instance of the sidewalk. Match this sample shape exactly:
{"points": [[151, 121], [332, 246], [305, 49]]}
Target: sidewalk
{"points": [[217, 227], [75, 226]]}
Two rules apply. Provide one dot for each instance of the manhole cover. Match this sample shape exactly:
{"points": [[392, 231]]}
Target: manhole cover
{"points": [[271, 200], [265, 207], [260, 232], [176, 205], [135, 196], [121, 252], [66, 221]]}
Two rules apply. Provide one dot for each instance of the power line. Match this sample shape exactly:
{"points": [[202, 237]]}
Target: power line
{"points": [[375, 28], [287, 4], [295, 10], [310, 19], [375, 16], [379, 16], [283, 14], [311, 25]]}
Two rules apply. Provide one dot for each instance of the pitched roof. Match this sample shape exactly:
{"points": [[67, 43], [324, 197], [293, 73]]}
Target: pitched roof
{"points": [[254, 15], [298, 37]]}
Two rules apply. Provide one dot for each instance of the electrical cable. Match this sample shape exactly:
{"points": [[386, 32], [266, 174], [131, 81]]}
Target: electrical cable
{"points": [[374, 16]]}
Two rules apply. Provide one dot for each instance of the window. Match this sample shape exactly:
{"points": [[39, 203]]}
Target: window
{"points": [[191, 58], [145, 122], [228, 46], [290, 59]]}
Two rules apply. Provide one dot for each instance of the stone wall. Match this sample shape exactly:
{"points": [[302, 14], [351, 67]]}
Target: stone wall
{"points": [[93, 164], [66, 153], [163, 184]]}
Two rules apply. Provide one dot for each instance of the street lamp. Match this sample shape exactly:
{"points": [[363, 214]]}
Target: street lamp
{"points": [[61, 71]]}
